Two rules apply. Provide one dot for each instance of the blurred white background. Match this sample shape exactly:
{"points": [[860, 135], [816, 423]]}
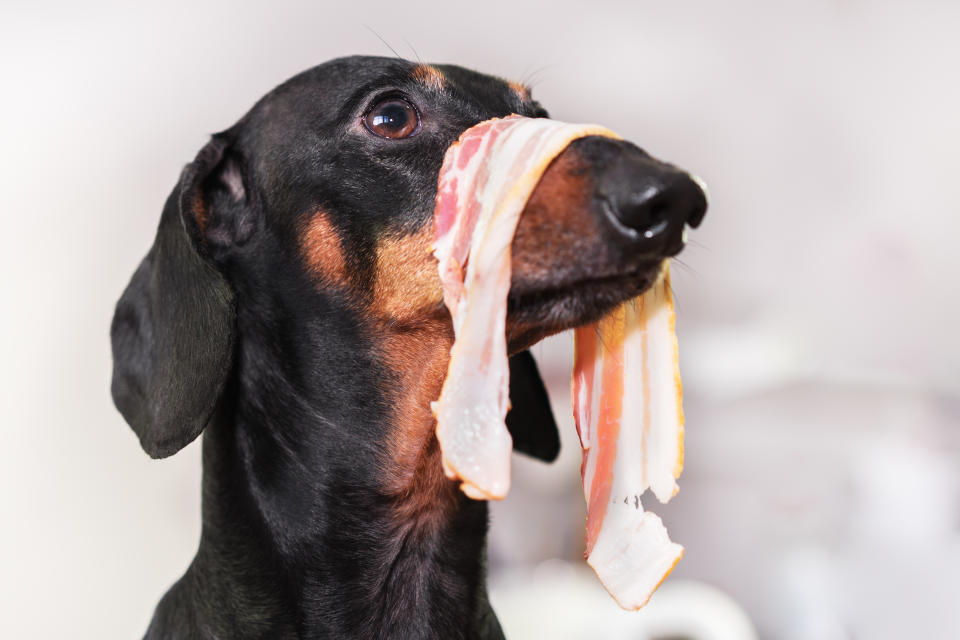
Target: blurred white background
{"points": [[818, 305]]}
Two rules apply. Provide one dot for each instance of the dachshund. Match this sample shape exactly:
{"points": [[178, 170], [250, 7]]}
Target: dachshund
{"points": [[290, 310]]}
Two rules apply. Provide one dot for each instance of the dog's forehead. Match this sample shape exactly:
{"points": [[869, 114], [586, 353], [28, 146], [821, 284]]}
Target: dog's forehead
{"points": [[345, 75], [326, 94], [306, 128], [482, 85]]}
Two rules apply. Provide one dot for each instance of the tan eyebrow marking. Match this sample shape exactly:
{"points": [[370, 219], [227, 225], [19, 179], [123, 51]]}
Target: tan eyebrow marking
{"points": [[429, 76], [522, 91]]}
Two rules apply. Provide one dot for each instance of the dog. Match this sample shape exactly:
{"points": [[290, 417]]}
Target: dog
{"points": [[291, 311]]}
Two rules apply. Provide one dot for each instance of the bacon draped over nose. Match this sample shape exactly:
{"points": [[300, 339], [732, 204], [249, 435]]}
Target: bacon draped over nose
{"points": [[626, 384], [485, 181]]}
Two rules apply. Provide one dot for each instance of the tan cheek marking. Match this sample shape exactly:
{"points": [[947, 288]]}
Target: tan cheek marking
{"points": [[429, 76], [407, 284], [322, 251], [414, 472], [415, 334]]}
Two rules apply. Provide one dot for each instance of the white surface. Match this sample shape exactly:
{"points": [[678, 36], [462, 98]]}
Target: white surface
{"points": [[562, 602]]}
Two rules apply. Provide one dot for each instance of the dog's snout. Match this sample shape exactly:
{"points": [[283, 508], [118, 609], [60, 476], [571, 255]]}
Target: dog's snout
{"points": [[649, 202]]}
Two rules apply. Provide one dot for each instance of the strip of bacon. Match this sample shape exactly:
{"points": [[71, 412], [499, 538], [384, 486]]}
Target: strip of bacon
{"points": [[627, 406], [625, 384], [485, 181]]}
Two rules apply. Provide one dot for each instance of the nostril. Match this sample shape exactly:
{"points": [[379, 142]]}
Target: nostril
{"points": [[655, 219], [648, 211], [659, 218]]}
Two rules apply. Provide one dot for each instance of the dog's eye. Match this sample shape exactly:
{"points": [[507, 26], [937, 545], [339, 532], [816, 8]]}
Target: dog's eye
{"points": [[392, 118]]}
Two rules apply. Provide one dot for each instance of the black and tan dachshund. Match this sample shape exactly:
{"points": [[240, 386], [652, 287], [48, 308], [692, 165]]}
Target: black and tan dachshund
{"points": [[291, 311]]}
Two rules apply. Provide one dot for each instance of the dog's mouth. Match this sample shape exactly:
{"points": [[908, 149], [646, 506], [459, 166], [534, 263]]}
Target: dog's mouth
{"points": [[536, 312]]}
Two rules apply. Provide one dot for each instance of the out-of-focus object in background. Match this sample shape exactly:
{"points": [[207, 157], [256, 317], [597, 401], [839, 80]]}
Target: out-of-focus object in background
{"points": [[562, 602]]}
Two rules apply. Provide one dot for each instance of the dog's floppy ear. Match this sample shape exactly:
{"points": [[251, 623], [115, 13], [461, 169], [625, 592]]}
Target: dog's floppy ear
{"points": [[173, 328], [530, 419]]}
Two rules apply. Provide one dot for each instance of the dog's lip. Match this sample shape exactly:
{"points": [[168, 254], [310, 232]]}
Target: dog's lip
{"points": [[592, 291], [576, 285]]}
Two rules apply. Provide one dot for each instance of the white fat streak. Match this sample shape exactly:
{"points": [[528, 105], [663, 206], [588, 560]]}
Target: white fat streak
{"points": [[596, 393], [629, 469], [590, 421], [591, 394], [471, 430], [650, 403], [580, 406], [663, 441]]}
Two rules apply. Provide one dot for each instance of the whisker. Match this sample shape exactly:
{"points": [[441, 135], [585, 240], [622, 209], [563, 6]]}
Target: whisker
{"points": [[419, 59], [535, 77], [686, 267], [526, 71], [370, 29], [528, 74]]}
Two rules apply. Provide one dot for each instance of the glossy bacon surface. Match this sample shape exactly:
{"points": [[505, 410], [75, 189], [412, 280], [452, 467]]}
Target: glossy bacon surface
{"points": [[627, 406], [485, 181]]}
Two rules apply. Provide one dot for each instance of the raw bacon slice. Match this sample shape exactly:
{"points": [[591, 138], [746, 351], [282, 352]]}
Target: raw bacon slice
{"points": [[627, 406], [626, 381], [485, 181]]}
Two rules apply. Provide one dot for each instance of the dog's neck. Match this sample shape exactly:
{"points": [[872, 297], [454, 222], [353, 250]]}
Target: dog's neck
{"points": [[325, 509]]}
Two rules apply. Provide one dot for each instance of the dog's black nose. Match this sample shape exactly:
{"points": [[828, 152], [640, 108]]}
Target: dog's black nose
{"points": [[655, 200], [649, 202]]}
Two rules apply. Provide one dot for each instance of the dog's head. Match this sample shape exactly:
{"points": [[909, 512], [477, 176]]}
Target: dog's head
{"points": [[316, 209]]}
